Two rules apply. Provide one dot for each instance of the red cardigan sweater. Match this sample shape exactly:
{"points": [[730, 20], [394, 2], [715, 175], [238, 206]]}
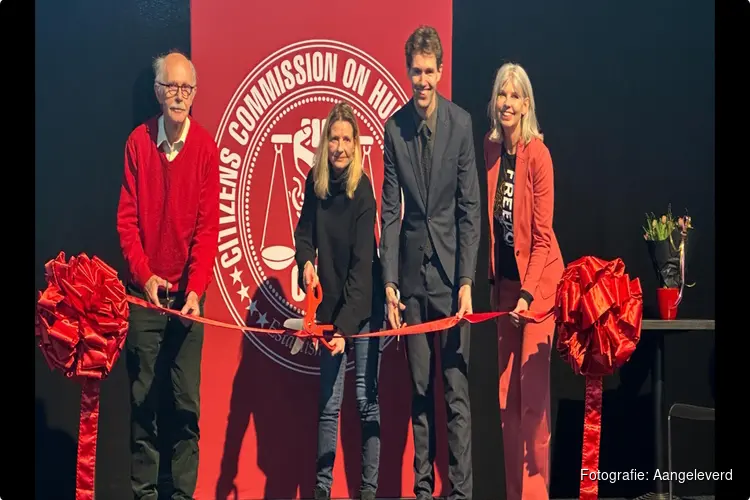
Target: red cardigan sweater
{"points": [[168, 215]]}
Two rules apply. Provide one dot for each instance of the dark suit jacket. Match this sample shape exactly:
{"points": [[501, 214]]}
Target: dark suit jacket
{"points": [[450, 211]]}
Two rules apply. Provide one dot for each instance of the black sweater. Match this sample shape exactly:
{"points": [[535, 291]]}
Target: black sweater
{"points": [[343, 233]]}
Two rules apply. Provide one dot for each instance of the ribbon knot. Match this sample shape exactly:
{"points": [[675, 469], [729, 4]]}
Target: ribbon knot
{"points": [[598, 314], [81, 326]]}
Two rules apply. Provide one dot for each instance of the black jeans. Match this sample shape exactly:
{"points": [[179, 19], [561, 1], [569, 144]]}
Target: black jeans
{"points": [[367, 352], [164, 361]]}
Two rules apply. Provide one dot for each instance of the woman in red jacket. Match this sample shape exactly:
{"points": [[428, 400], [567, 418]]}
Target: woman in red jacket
{"points": [[524, 270]]}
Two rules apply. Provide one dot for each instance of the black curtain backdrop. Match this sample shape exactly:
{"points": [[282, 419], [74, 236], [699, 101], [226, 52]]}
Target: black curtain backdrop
{"points": [[626, 101]]}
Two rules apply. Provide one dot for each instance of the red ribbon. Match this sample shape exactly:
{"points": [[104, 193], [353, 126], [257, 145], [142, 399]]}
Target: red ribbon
{"points": [[82, 322], [427, 327], [598, 314], [81, 325], [198, 319]]}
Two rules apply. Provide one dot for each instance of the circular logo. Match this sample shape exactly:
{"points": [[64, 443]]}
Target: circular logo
{"points": [[267, 140]]}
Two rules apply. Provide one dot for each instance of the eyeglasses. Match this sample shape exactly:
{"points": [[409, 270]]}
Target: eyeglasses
{"points": [[172, 88]]}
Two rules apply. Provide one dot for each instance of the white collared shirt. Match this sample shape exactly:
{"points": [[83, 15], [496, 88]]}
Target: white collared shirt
{"points": [[171, 150]]}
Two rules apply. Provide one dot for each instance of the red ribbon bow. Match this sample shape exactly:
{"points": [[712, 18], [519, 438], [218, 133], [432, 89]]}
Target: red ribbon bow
{"points": [[598, 314], [81, 326]]}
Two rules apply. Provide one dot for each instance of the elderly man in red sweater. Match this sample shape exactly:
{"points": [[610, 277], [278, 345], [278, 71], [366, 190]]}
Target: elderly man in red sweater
{"points": [[168, 219]]}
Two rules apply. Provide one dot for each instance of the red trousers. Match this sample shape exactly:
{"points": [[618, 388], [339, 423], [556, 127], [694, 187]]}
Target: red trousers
{"points": [[524, 366]]}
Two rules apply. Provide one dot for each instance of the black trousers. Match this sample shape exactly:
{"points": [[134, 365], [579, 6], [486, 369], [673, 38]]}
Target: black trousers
{"points": [[164, 361], [435, 299]]}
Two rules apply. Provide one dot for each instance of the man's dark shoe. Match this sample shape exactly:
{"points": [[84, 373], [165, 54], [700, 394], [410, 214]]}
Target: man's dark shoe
{"points": [[321, 494], [367, 495]]}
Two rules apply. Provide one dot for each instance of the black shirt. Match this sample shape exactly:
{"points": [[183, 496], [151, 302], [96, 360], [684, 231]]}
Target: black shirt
{"points": [[502, 219], [342, 230]]}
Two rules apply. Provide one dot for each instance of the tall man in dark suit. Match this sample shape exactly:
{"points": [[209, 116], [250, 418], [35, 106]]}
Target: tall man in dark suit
{"points": [[429, 259]]}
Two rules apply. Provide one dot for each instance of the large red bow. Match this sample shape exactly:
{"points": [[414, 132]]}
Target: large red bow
{"points": [[599, 312], [81, 326]]}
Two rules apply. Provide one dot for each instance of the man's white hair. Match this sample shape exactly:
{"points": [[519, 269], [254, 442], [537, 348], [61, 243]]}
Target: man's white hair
{"points": [[160, 63]]}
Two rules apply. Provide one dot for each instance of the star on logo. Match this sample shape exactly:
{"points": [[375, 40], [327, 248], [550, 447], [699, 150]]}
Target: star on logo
{"points": [[243, 292], [236, 276], [262, 321], [252, 307]]}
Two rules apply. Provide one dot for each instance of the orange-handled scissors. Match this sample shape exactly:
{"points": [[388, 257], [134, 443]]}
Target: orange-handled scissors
{"points": [[307, 326]]}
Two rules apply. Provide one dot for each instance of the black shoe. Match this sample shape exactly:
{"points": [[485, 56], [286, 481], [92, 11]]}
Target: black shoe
{"points": [[321, 494], [367, 495]]}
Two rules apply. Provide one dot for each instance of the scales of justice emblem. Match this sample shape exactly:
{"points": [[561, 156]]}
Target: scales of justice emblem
{"points": [[267, 141]]}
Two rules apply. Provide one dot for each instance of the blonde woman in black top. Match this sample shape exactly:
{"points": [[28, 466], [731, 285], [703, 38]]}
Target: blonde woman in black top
{"points": [[338, 222]]}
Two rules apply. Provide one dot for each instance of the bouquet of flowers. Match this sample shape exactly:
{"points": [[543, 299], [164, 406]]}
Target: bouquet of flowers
{"points": [[667, 240]]}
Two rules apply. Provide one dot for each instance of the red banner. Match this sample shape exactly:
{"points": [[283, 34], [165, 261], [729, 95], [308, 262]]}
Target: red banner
{"points": [[267, 77]]}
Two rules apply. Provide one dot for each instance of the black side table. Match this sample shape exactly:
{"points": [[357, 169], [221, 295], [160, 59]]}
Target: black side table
{"points": [[660, 327]]}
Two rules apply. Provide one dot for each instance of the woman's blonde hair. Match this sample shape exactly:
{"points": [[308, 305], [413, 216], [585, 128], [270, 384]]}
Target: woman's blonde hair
{"points": [[340, 112], [515, 74]]}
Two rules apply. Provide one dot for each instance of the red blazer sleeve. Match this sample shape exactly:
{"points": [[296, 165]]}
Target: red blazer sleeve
{"points": [[205, 238], [543, 188], [127, 220]]}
